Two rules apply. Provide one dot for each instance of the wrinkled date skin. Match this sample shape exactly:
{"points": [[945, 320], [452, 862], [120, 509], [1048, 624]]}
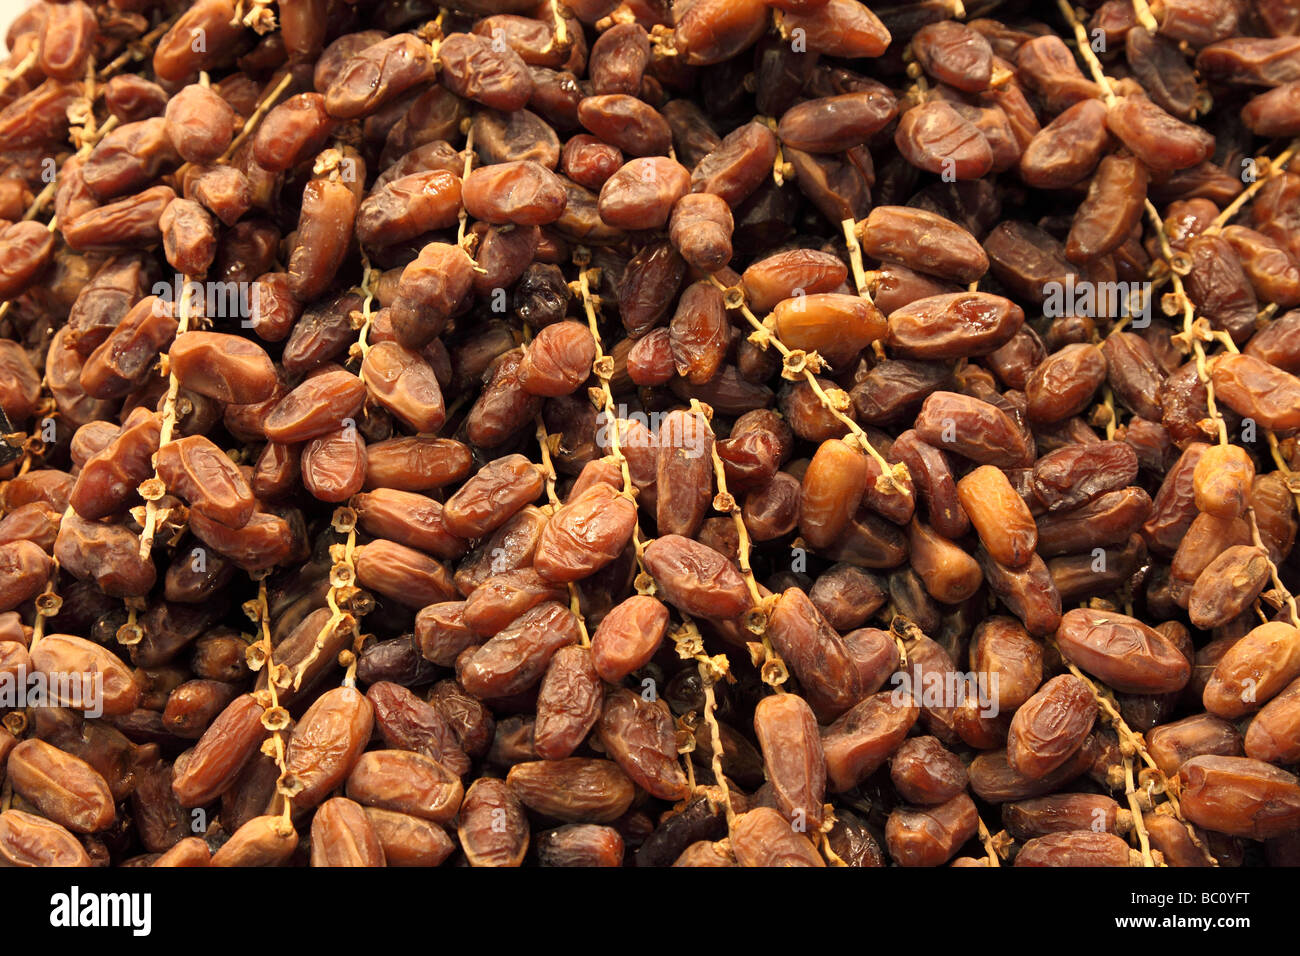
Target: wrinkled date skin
{"points": [[695, 578], [1240, 796], [493, 828], [954, 325], [326, 742], [1075, 848], [64, 788], [378, 74], [628, 636], [30, 840], [568, 703], [1253, 670], [585, 535], [516, 658], [639, 736], [478, 437], [407, 722], [64, 654], [762, 837], [198, 471], [1125, 653], [342, 835], [792, 756], [861, 740], [929, 836], [405, 782], [1050, 726], [221, 752], [925, 242], [404, 383], [576, 789], [972, 428]]}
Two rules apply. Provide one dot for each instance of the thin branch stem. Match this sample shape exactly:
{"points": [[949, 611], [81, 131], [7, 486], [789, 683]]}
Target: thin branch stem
{"points": [[796, 365]]}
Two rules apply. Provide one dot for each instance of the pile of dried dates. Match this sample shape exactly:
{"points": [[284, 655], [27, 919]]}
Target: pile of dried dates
{"points": [[614, 432]]}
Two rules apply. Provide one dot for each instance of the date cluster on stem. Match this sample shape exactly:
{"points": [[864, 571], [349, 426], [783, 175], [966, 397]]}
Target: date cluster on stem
{"points": [[614, 432]]}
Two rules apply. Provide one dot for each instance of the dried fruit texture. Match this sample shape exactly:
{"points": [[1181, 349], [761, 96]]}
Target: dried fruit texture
{"points": [[522, 338], [576, 789], [1122, 651], [925, 772], [792, 757], [516, 658], [405, 384], [639, 735], [696, 579], [405, 782], [1075, 848], [223, 750], [628, 636], [342, 835], [1173, 744], [326, 742], [85, 676], [815, 653], [1240, 796], [62, 787], [1257, 390], [762, 837], [1228, 586], [408, 722], [1253, 670], [568, 703], [954, 325], [262, 841], [1050, 726], [199, 472], [833, 487], [930, 836], [925, 242], [974, 429], [860, 741], [936, 137], [493, 828], [999, 515], [30, 840]]}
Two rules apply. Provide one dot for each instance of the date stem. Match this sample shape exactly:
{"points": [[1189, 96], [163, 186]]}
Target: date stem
{"points": [[11, 73], [250, 124], [46, 194], [548, 472], [274, 714], [603, 398], [860, 280], [138, 49], [1130, 794], [990, 844], [48, 602], [1276, 167], [724, 501], [890, 480], [1178, 297], [173, 385], [1281, 588], [152, 489], [1144, 16], [1132, 741], [469, 161]]}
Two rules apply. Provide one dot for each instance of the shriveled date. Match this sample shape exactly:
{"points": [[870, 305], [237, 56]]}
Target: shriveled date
{"points": [[640, 736], [1050, 726], [1122, 651]]}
